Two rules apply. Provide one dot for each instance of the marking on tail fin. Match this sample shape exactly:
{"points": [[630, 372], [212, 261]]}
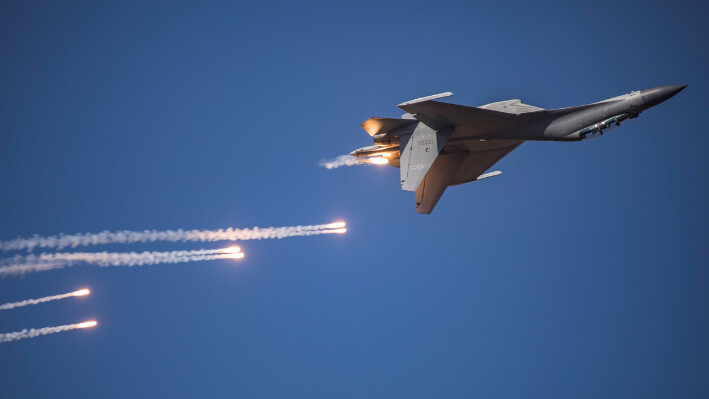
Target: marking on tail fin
{"points": [[419, 151]]}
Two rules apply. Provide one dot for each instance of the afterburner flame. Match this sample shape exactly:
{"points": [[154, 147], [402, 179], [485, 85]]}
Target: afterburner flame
{"points": [[231, 250], [379, 161], [85, 291], [87, 324], [336, 225]]}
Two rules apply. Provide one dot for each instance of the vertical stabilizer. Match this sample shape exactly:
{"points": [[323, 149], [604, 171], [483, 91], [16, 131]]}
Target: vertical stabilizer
{"points": [[418, 152]]}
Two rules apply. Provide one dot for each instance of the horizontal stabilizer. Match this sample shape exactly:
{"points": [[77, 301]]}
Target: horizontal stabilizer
{"points": [[375, 126]]}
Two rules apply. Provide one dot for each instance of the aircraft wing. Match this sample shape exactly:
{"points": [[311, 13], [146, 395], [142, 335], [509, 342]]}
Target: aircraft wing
{"points": [[450, 169], [482, 155], [439, 176], [440, 116]]}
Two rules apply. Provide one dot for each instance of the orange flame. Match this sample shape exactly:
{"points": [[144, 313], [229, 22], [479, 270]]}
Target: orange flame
{"points": [[82, 292]]}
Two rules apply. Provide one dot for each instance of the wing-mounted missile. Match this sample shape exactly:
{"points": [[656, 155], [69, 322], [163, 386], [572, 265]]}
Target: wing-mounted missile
{"points": [[602, 127]]}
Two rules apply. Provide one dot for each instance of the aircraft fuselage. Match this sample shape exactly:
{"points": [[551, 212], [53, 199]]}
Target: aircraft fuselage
{"points": [[570, 124]]}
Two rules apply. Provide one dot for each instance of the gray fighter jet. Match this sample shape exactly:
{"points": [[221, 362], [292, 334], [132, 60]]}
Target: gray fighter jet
{"points": [[437, 144]]}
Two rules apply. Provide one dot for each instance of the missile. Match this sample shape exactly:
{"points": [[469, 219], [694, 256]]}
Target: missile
{"points": [[604, 126]]}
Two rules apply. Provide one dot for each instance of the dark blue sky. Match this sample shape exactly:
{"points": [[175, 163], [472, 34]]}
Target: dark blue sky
{"points": [[580, 272]]}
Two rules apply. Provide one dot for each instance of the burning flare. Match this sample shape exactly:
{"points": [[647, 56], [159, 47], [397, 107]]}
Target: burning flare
{"points": [[235, 255], [26, 302], [87, 324], [231, 250], [336, 225], [232, 253], [36, 263], [36, 332], [127, 237]]}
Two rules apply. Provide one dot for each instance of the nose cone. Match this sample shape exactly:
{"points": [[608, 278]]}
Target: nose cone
{"points": [[656, 95]]}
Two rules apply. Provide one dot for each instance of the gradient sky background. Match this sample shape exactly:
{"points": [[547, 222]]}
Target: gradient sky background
{"points": [[580, 272]]}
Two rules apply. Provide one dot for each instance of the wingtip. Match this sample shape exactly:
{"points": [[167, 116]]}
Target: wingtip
{"points": [[422, 211], [427, 98]]}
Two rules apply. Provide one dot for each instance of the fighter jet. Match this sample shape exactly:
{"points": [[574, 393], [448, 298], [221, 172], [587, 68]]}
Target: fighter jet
{"points": [[437, 144]]}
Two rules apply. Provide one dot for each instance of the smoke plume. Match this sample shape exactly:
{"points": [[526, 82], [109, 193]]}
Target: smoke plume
{"points": [[27, 302], [342, 160], [36, 332], [125, 237], [48, 261]]}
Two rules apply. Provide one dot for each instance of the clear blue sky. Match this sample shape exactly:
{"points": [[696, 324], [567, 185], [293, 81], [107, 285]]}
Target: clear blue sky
{"points": [[580, 272]]}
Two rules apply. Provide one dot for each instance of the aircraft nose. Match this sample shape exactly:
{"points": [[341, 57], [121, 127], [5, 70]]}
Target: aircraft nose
{"points": [[656, 95]]}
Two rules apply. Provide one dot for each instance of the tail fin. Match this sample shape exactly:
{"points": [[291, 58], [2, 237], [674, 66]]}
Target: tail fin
{"points": [[418, 152]]}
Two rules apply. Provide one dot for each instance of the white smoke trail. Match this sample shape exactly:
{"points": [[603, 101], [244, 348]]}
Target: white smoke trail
{"points": [[36, 332], [27, 302], [36, 263], [125, 237], [342, 160]]}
